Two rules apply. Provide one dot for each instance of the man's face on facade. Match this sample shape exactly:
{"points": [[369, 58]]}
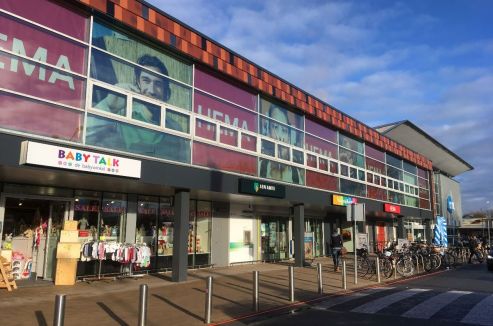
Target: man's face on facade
{"points": [[150, 84]]}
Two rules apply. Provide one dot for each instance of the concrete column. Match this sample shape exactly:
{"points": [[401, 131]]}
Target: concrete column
{"points": [[180, 236], [401, 230], [299, 235], [327, 233]]}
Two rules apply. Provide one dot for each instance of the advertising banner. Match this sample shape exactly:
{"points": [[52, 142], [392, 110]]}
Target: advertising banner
{"points": [[78, 160], [27, 76], [218, 87], [308, 245], [50, 14], [39, 118], [223, 159], [225, 112]]}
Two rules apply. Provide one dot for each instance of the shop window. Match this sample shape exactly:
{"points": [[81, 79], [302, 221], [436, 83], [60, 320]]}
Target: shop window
{"points": [[369, 177], [384, 182], [249, 142], [283, 152], [224, 159], [121, 136], [205, 129], [351, 157], [282, 115], [374, 153], [39, 118], [281, 132], [116, 103], [394, 173], [410, 168], [423, 183], [334, 167], [52, 15], [390, 183], [353, 188], [147, 80], [145, 228], [353, 173], [322, 164], [228, 136], [113, 217], [321, 147], [321, 181], [411, 201], [409, 178], [377, 193], [376, 180], [34, 79], [396, 197], [268, 148], [281, 172], [394, 161], [146, 112], [350, 143], [298, 157], [165, 228], [177, 121], [203, 225], [130, 48], [86, 213], [375, 166], [311, 160], [361, 175], [321, 131], [225, 90], [344, 170], [228, 113], [423, 173]]}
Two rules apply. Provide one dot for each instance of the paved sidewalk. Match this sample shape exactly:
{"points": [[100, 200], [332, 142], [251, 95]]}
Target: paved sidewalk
{"points": [[116, 302]]}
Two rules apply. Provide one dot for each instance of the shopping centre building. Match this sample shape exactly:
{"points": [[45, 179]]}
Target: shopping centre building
{"points": [[153, 136]]}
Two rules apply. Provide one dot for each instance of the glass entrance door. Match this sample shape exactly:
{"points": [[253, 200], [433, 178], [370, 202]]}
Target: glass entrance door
{"points": [[59, 212], [274, 238], [31, 229]]}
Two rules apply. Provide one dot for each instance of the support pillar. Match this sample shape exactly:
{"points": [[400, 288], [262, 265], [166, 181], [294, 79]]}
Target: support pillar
{"points": [[299, 235], [401, 230], [180, 237]]}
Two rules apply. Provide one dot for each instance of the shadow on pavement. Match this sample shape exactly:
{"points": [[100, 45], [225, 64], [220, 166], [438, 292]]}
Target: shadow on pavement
{"points": [[40, 318], [110, 312], [174, 305]]}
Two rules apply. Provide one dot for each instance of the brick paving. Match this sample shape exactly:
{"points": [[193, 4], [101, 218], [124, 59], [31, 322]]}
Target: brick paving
{"points": [[116, 302]]}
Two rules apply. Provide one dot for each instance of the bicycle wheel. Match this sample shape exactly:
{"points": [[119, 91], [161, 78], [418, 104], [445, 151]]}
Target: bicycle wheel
{"points": [[448, 260], [363, 266], [386, 267], [405, 266], [477, 258]]}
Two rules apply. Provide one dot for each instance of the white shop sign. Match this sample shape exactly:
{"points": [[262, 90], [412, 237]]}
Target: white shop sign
{"points": [[78, 160]]}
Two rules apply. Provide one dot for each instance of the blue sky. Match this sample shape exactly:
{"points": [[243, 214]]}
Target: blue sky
{"points": [[428, 61]]}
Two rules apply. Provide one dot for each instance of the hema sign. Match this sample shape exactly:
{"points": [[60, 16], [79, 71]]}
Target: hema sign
{"points": [[78, 160]]}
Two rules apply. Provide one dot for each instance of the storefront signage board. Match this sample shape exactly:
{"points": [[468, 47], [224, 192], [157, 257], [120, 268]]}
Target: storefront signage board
{"points": [[260, 188], [339, 200], [389, 208], [78, 160], [355, 212]]}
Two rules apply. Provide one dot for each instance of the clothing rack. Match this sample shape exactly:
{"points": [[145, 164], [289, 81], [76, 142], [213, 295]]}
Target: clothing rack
{"points": [[120, 255]]}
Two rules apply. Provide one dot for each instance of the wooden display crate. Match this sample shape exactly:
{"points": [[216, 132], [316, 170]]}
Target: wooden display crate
{"points": [[66, 270]]}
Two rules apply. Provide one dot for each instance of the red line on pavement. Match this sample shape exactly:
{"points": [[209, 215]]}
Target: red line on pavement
{"points": [[322, 298]]}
